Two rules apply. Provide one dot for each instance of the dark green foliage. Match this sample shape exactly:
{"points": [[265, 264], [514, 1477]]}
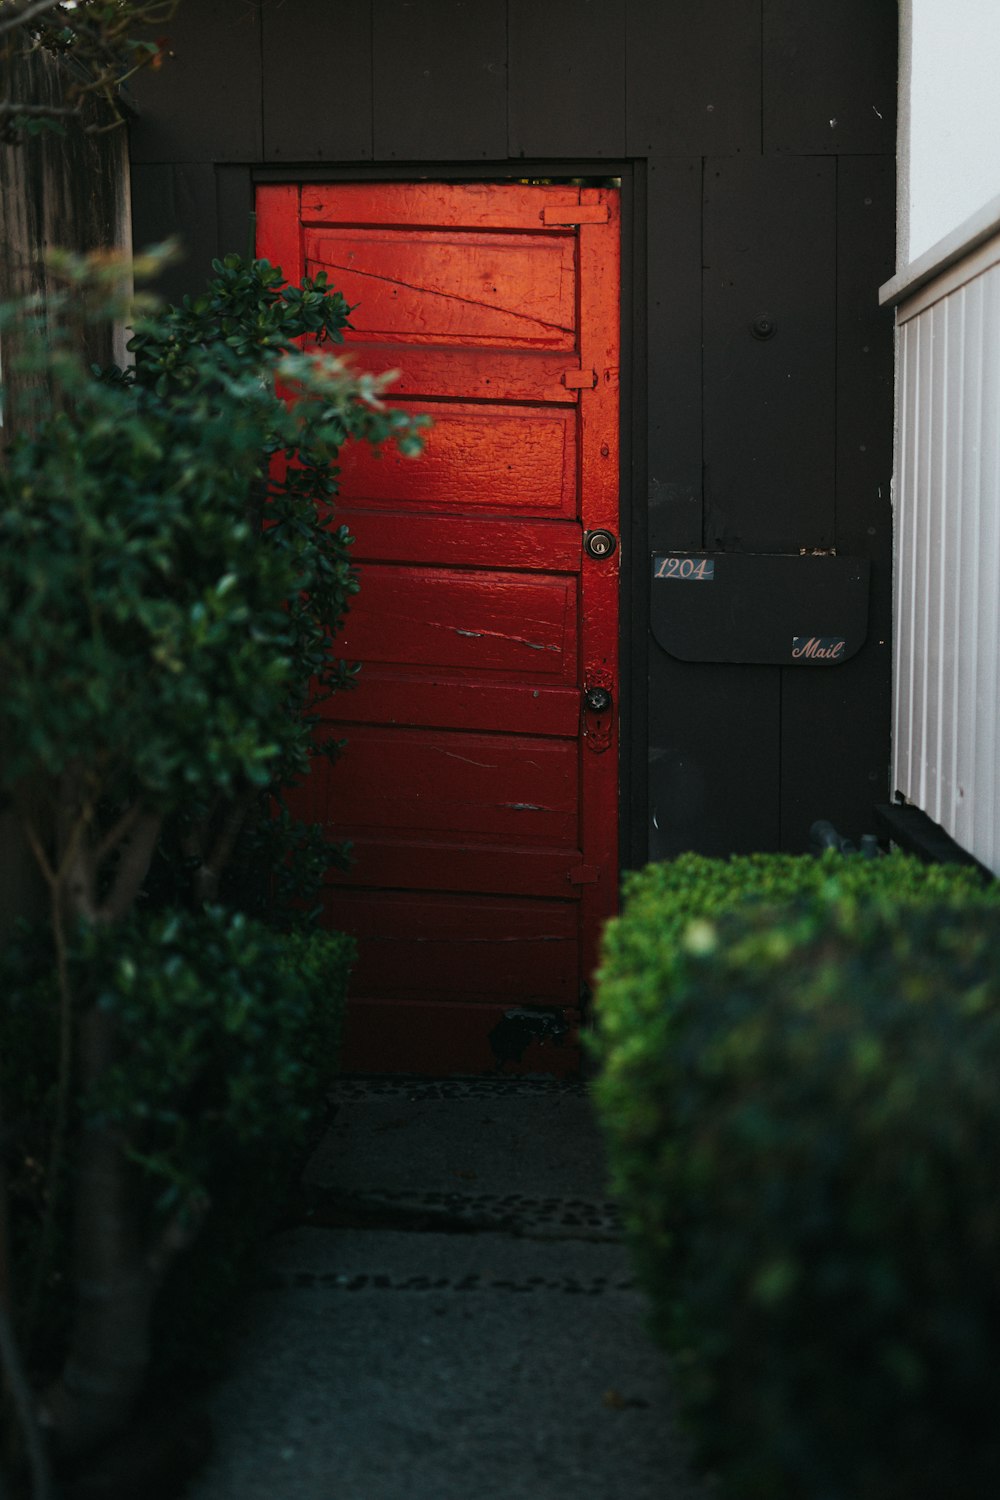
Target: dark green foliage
{"points": [[226, 1036], [155, 638], [29, 1058], [143, 622], [103, 45], [249, 320], [799, 1087], [246, 1023], [170, 579]]}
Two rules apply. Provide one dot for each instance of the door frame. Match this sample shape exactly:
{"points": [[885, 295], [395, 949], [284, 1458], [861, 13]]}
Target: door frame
{"points": [[236, 189]]}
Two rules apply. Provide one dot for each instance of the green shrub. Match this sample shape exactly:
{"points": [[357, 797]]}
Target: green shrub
{"points": [[800, 1093], [171, 574], [223, 1038], [171, 581], [226, 1034]]}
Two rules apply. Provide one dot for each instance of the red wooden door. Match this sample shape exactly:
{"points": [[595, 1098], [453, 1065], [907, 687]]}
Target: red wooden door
{"points": [[478, 787]]}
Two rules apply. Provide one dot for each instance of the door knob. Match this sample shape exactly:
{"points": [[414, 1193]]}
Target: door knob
{"points": [[597, 699], [599, 544]]}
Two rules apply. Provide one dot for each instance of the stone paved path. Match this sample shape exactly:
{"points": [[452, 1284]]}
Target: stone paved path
{"points": [[455, 1316]]}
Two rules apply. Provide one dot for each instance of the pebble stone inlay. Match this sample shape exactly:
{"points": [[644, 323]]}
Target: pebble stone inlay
{"points": [[357, 1088], [509, 1210], [343, 1281]]}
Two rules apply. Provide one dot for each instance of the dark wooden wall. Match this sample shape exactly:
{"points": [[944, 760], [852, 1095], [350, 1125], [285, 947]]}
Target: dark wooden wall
{"points": [[755, 140], [66, 191]]}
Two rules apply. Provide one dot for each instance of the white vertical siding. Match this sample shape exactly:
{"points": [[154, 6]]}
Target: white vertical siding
{"points": [[946, 740]]}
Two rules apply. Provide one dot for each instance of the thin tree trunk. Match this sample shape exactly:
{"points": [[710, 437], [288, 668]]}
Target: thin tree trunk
{"points": [[117, 1274], [133, 867], [210, 871], [22, 1400], [108, 1348], [14, 1379]]}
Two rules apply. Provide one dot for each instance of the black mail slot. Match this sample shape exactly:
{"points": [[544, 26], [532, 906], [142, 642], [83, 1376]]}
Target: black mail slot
{"points": [[769, 608]]}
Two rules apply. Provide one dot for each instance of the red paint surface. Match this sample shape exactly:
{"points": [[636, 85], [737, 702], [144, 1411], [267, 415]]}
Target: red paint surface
{"points": [[481, 798]]}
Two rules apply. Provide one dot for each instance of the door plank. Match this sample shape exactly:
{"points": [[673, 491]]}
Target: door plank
{"points": [[476, 458], [439, 783], [472, 205], [600, 298], [449, 369], [384, 695], [505, 542], [438, 286], [419, 865], [519, 625], [447, 947], [278, 228]]}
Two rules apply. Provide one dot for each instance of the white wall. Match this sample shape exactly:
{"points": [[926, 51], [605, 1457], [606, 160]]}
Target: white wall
{"points": [[946, 487], [946, 737], [949, 117]]}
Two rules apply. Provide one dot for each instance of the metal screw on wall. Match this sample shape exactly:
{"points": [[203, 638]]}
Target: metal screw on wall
{"points": [[763, 327]]}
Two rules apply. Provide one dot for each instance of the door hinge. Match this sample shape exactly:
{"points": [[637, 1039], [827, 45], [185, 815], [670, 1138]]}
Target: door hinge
{"points": [[583, 875], [579, 380], [576, 213]]}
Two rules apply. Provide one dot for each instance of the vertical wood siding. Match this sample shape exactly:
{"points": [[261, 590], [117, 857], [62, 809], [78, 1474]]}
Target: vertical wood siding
{"points": [[57, 191], [69, 191], [946, 755]]}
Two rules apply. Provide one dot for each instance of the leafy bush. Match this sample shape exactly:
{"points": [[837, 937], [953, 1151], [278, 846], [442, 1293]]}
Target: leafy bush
{"points": [[226, 1033], [220, 1037], [103, 44], [799, 1090], [171, 579], [171, 576]]}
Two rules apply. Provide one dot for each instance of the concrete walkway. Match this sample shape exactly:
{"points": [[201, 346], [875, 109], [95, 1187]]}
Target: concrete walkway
{"points": [[455, 1316]]}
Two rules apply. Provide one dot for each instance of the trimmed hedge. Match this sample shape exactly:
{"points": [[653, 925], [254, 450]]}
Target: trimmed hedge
{"points": [[801, 1095]]}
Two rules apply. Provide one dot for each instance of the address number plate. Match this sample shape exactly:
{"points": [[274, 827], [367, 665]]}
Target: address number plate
{"points": [[685, 569]]}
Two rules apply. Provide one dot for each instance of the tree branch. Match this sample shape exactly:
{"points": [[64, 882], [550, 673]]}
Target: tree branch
{"points": [[25, 17], [11, 107], [104, 129], [206, 879], [176, 1235], [23, 1401], [61, 1111], [116, 833], [132, 868], [194, 835], [41, 858], [76, 873]]}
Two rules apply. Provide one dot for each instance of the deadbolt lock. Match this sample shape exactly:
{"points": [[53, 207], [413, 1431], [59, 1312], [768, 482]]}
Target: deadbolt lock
{"points": [[598, 700], [599, 544]]}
